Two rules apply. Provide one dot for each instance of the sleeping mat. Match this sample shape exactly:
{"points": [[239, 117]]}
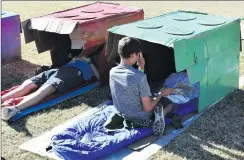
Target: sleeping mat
{"points": [[88, 139], [90, 82]]}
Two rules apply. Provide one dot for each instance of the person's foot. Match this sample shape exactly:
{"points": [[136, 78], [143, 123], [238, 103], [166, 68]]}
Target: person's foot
{"points": [[159, 124], [12, 102], [7, 103], [9, 112]]}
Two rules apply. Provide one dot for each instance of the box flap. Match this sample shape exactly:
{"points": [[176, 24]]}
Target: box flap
{"points": [[28, 34], [92, 19], [52, 25], [64, 22]]}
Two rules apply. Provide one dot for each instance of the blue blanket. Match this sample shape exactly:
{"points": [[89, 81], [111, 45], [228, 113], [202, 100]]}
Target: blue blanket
{"points": [[88, 139], [183, 91]]}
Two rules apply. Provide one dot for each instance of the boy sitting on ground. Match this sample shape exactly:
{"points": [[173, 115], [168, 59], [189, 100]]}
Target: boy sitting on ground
{"points": [[46, 83], [130, 90]]}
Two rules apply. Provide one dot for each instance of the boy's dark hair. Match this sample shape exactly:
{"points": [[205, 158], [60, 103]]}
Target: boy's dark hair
{"points": [[128, 46]]}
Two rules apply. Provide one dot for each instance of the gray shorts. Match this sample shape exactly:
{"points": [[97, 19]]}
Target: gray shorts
{"points": [[63, 79]]}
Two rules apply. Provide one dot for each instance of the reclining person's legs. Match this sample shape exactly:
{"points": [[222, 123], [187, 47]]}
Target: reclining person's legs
{"points": [[25, 88], [29, 85], [29, 100], [60, 80], [36, 97], [45, 89]]}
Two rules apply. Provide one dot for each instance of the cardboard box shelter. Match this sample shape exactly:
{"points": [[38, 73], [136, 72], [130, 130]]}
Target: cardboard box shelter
{"points": [[11, 42], [78, 29], [206, 46]]}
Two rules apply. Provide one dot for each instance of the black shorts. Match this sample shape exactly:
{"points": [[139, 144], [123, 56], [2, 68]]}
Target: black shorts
{"points": [[63, 78]]}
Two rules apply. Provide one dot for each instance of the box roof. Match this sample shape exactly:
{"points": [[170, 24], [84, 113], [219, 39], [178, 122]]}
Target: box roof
{"points": [[64, 22], [169, 28]]}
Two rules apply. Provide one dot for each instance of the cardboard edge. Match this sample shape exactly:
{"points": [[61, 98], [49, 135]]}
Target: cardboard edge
{"points": [[242, 29], [28, 34]]}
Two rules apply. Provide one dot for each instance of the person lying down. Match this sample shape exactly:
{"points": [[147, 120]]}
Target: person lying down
{"points": [[58, 80]]}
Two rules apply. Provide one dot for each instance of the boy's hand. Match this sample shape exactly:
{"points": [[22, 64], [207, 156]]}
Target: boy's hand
{"points": [[141, 61]]}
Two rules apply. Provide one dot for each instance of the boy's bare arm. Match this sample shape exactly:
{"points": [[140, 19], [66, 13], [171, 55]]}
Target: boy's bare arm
{"points": [[150, 103]]}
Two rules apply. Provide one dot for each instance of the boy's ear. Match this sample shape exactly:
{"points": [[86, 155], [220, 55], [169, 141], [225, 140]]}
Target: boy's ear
{"points": [[132, 55]]}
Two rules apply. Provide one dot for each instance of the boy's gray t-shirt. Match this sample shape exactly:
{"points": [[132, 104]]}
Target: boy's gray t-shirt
{"points": [[128, 85]]}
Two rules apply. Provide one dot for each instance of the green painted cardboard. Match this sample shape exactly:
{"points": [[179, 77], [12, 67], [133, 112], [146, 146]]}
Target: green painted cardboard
{"points": [[207, 46]]}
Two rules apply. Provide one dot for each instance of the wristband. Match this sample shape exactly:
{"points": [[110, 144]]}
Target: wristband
{"points": [[142, 70]]}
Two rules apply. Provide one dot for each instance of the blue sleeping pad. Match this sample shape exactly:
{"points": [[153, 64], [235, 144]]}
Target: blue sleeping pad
{"points": [[87, 139]]}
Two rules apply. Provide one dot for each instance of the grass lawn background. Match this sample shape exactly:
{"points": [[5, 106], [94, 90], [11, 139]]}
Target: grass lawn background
{"points": [[217, 134]]}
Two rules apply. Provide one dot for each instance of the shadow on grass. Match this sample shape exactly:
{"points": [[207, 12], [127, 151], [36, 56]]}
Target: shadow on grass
{"points": [[20, 126], [217, 134], [16, 72]]}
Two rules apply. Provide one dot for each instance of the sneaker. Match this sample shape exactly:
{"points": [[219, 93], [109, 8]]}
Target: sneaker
{"points": [[159, 124], [9, 112]]}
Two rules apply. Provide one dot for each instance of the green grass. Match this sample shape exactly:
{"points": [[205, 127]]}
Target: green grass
{"points": [[217, 134]]}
